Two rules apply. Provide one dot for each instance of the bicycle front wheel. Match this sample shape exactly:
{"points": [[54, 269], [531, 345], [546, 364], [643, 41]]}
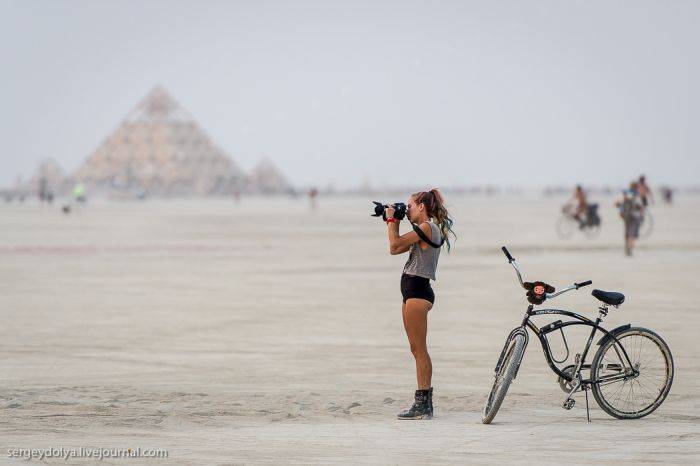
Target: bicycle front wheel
{"points": [[647, 225], [513, 356], [633, 392], [565, 226]]}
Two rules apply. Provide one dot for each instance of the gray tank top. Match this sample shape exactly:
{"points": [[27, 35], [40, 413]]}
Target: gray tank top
{"points": [[423, 263]]}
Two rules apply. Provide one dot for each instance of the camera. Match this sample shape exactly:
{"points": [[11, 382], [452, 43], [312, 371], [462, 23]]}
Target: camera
{"points": [[380, 210]]}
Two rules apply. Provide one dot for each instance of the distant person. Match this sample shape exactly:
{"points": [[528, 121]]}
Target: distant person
{"points": [[631, 211], [577, 206], [79, 193], [667, 194], [43, 189], [431, 225], [645, 193], [313, 194]]}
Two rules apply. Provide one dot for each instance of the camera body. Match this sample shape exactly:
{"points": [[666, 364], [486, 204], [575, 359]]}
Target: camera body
{"points": [[380, 210]]}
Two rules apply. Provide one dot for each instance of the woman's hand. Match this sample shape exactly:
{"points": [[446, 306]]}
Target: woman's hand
{"points": [[389, 212]]}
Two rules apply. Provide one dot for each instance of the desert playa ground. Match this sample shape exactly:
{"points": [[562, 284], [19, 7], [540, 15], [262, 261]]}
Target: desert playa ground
{"points": [[264, 332]]}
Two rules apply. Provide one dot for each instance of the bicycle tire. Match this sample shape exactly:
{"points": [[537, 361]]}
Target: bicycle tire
{"points": [[565, 227], [514, 356], [606, 399], [647, 225], [592, 231]]}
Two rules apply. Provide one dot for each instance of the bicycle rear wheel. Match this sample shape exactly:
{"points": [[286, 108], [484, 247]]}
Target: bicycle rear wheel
{"points": [[513, 356], [625, 395], [592, 231]]}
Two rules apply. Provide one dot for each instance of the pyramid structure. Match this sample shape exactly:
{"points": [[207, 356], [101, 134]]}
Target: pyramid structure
{"points": [[159, 149]]}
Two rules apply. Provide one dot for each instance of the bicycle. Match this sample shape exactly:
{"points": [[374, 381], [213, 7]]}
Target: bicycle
{"points": [[647, 224], [630, 374], [567, 222]]}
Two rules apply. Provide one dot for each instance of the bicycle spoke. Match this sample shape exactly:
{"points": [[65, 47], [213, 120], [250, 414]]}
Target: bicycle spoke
{"points": [[646, 392]]}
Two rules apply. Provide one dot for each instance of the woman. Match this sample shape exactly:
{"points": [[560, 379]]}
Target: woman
{"points": [[431, 224]]}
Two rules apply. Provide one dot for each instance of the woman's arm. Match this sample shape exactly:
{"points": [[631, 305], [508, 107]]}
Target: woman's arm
{"points": [[398, 244]]}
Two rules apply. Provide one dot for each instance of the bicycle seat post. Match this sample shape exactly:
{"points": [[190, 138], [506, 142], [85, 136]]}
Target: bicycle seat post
{"points": [[603, 312]]}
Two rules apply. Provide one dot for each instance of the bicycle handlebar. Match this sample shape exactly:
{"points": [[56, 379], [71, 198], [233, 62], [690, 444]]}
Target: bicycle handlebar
{"points": [[554, 295], [514, 263], [505, 251]]}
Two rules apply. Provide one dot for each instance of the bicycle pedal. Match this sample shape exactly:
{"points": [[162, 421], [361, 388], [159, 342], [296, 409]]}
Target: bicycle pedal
{"points": [[568, 404]]}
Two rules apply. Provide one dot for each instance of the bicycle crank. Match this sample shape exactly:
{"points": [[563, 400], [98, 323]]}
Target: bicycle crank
{"points": [[564, 384]]}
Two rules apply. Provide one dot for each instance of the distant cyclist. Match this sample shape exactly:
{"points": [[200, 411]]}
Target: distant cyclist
{"points": [[577, 206], [632, 212]]}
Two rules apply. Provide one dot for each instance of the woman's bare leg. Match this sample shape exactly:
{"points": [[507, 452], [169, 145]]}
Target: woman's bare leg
{"points": [[415, 320]]}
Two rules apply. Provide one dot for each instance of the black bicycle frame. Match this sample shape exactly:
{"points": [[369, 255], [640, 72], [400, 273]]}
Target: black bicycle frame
{"points": [[580, 320]]}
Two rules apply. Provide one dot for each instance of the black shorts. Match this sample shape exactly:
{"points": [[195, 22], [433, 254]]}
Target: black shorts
{"points": [[416, 287]]}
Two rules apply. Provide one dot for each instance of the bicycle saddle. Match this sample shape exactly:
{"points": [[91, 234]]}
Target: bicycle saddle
{"points": [[609, 297]]}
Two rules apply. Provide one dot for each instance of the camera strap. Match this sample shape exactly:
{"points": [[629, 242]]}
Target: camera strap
{"points": [[422, 236]]}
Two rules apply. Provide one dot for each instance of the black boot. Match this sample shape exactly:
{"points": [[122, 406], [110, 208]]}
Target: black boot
{"points": [[421, 408], [430, 401]]}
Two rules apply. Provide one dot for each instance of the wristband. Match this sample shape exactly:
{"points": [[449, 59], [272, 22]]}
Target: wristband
{"points": [[390, 220]]}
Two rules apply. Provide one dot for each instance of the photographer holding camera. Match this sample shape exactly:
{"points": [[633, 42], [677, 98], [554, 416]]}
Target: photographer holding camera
{"points": [[431, 225]]}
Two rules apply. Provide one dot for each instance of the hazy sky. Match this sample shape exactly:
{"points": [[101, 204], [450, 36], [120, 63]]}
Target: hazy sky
{"points": [[428, 92]]}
